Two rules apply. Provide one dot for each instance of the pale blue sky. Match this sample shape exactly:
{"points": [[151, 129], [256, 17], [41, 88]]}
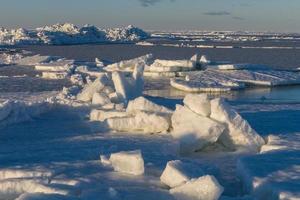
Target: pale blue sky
{"points": [[256, 15]]}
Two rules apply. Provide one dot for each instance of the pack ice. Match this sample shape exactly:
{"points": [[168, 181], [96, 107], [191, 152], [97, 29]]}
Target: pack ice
{"points": [[70, 34]]}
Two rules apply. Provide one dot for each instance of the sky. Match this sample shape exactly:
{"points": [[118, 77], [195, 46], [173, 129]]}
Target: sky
{"points": [[251, 15]]}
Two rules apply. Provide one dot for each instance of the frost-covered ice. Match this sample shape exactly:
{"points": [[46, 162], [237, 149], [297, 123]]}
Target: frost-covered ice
{"points": [[273, 174], [70, 34], [203, 188], [178, 173], [130, 162]]}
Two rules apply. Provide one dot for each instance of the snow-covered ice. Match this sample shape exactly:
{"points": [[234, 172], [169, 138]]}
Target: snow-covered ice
{"points": [[130, 162], [178, 173], [102, 115], [203, 188], [273, 174]]}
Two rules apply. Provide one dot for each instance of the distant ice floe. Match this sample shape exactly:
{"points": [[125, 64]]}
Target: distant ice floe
{"points": [[67, 33]]}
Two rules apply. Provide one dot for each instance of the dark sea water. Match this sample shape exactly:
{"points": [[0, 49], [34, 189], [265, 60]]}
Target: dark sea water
{"points": [[279, 58]]}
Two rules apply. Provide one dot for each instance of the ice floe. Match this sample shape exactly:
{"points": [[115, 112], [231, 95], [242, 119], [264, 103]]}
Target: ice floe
{"points": [[211, 80]]}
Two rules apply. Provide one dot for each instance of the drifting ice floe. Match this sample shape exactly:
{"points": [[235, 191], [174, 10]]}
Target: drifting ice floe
{"points": [[225, 80]]}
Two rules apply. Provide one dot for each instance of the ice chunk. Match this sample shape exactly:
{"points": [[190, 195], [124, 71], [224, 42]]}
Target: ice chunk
{"points": [[143, 104], [204, 60], [128, 88], [102, 115], [55, 75], [88, 91], [203, 188], [129, 65], [177, 173], [100, 98], [104, 160], [141, 122], [194, 131], [239, 134], [129, 162], [57, 66], [171, 66], [77, 79], [5, 109], [199, 104]]}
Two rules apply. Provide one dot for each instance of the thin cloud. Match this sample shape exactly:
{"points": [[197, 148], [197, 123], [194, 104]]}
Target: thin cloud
{"points": [[147, 3], [238, 18], [217, 13]]}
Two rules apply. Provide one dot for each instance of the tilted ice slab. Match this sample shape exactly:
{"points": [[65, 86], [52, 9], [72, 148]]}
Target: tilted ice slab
{"points": [[89, 90], [225, 80], [128, 88], [203, 188], [129, 65], [178, 173], [238, 133], [194, 131], [143, 104], [274, 173]]}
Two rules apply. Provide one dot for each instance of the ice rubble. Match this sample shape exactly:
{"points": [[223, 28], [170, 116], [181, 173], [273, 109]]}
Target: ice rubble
{"points": [[274, 173], [203, 188], [130, 162], [178, 173], [141, 115], [70, 34], [196, 131], [211, 80]]}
